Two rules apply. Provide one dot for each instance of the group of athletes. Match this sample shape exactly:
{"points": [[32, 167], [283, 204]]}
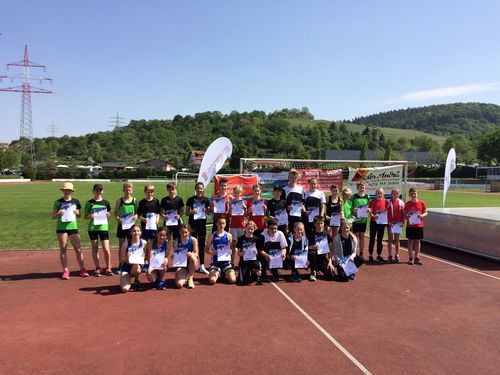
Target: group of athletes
{"points": [[294, 230]]}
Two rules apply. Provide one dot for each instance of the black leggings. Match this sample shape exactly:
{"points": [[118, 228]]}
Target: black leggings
{"points": [[319, 262], [376, 230], [199, 231]]}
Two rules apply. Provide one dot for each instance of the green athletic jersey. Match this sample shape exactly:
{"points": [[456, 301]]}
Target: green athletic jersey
{"points": [[62, 204], [358, 201], [92, 206], [126, 208], [347, 209]]}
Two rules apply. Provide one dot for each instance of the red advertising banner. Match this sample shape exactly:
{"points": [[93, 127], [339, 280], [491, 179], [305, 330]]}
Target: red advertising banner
{"points": [[246, 183], [325, 177]]}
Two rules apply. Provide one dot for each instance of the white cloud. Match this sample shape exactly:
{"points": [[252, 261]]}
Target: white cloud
{"points": [[446, 92]]}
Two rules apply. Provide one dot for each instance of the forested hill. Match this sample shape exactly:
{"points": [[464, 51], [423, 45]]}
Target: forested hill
{"points": [[469, 119]]}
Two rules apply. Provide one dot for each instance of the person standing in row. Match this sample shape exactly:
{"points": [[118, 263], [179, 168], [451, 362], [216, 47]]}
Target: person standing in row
{"points": [[378, 222], [97, 211], [198, 206], [314, 202], [333, 211], [220, 204], [415, 210], [360, 207], [257, 208], [395, 218], [66, 210], [126, 215], [293, 194], [172, 208], [237, 213], [149, 213], [276, 209]]}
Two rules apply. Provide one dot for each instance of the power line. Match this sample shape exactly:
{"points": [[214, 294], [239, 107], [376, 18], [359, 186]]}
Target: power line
{"points": [[116, 122]]}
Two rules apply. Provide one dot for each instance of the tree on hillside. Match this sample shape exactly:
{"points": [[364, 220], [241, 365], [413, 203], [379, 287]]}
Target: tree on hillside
{"points": [[488, 149], [463, 146]]}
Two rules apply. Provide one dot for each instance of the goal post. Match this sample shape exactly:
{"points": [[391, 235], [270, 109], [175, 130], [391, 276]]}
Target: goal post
{"points": [[277, 166]]}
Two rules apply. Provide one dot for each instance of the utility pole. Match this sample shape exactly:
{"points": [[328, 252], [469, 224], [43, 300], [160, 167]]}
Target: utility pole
{"points": [[26, 126], [116, 122]]}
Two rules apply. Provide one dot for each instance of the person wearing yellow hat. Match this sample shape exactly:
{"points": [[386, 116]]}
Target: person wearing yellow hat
{"points": [[65, 211]]}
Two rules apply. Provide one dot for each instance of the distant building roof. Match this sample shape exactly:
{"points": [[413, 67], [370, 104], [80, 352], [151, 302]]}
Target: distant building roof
{"points": [[421, 157]]}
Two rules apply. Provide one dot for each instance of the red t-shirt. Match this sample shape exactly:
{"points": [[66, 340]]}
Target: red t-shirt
{"points": [[418, 206], [239, 220], [259, 220], [377, 205], [395, 211]]}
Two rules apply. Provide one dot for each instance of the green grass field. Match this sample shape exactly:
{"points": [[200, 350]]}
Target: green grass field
{"points": [[27, 222]]}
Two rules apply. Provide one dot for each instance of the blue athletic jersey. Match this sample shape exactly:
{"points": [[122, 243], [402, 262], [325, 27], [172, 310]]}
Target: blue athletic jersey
{"points": [[131, 248], [219, 243], [159, 249], [189, 245]]}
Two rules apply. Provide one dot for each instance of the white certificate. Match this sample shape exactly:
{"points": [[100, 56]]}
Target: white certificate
{"points": [[224, 254], [68, 213], [348, 266], [258, 208], [396, 227], [127, 221], [323, 247], [381, 217], [237, 208], [362, 212], [301, 258], [180, 257], [276, 260], [281, 217], [313, 211], [335, 220], [171, 217], [200, 213], [151, 221], [296, 209], [250, 252], [136, 255], [156, 260], [219, 205], [100, 217], [414, 219]]}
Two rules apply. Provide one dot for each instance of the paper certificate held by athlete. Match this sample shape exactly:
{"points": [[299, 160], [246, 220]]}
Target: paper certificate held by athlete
{"points": [[323, 247], [100, 216], [219, 205], [237, 208], [249, 251], [335, 220], [348, 266], [156, 260], [301, 258], [381, 217], [127, 221], [276, 259], [136, 254], [362, 212], [180, 257], [313, 212], [200, 213], [68, 213], [396, 227], [258, 208], [224, 254], [296, 209], [151, 221], [414, 218]]}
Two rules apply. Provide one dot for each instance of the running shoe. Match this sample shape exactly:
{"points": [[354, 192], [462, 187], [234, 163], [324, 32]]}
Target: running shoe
{"points": [[97, 272], [202, 269], [380, 259], [137, 286], [295, 277], [161, 285], [65, 274], [312, 277], [84, 273], [417, 261], [352, 277], [259, 280], [109, 272], [370, 259], [396, 259], [410, 261], [390, 259], [190, 283]]}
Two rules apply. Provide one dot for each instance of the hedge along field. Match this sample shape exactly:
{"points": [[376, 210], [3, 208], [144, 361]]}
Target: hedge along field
{"points": [[26, 209]]}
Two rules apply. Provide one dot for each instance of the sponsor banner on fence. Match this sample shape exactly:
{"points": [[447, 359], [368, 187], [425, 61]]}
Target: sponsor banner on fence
{"points": [[374, 178], [246, 183], [325, 177]]}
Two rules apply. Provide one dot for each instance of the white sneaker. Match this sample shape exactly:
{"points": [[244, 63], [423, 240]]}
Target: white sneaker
{"points": [[202, 269]]}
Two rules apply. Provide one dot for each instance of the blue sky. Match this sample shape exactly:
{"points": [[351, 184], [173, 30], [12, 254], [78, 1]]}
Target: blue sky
{"points": [[155, 59]]}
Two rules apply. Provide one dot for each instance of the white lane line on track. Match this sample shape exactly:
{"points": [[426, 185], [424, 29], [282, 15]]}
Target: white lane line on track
{"points": [[323, 331], [457, 265]]}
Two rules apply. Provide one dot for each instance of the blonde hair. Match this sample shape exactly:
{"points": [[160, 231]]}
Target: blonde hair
{"points": [[149, 187], [346, 190], [238, 188], [128, 185]]}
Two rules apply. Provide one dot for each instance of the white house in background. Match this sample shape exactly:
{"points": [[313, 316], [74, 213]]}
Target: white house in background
{"points": [[159, 164]]}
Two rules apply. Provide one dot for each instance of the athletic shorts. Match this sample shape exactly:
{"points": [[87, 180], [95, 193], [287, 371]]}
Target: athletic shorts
{"points": [[127, 268], [173, 231], [149, 234], [415, 233], [99, 234], [237, 233], [221, 267], [358, 227], [122, 233], [69, 232]]}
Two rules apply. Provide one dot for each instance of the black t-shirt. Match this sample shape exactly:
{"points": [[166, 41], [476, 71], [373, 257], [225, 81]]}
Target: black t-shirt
{"points": [[315, 237], [146, 207], [244, 242], [198, 203], [333, 207], [169, 205], [274, 206], [346, 245]]}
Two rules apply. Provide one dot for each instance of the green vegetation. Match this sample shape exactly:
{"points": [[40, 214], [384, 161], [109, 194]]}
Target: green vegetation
{"points": [[27, 223]]}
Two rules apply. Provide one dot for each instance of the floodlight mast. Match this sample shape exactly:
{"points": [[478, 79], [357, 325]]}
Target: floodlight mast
{"points": [[26, 126]]}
